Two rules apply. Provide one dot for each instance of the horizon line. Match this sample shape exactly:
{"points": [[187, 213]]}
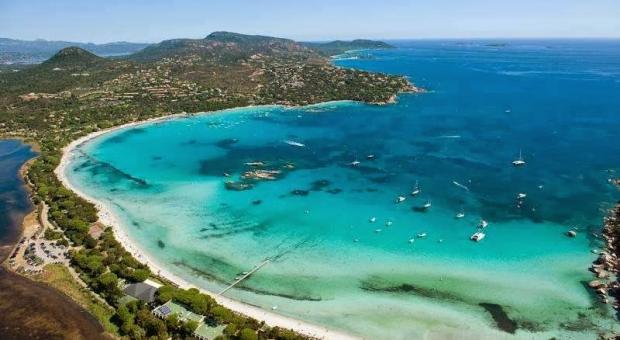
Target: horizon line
{"points": [[337, 39]]}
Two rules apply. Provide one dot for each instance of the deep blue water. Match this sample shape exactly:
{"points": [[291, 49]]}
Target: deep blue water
{"points": [[14, 202], [556, 101]]}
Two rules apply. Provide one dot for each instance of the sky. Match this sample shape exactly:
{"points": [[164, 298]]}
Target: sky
{"points": [[156, 20]]}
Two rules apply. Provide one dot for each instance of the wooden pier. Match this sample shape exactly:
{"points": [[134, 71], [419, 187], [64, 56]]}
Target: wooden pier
{"points": [[245, 276]]}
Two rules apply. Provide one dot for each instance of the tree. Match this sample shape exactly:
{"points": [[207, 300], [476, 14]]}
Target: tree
{"points": [[231, 329], [152, 325], [248, 334], [188, 328]]}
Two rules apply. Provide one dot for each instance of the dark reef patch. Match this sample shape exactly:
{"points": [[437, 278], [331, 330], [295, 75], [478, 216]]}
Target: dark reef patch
{"points": [[161, 244], [320, 184], [377, 285], [122, 137], [283, 295], [257, 202], [501, 318], [300, 192], [112, 173], [200, 272], [226, 143]]}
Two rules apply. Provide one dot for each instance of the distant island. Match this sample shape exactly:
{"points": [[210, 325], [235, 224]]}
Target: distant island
{"points": [[338, 47], [75, 93], [14, 51]]}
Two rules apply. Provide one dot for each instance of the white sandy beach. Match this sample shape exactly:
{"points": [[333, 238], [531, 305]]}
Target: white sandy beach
{"points": [[109, 219]]}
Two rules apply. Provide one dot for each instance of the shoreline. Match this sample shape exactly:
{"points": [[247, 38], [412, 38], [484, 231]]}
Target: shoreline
{"points": [[107, 218]]}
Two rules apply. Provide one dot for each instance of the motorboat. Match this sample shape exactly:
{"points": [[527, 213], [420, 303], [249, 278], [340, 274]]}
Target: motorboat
{"points": [[294, 143], [477, 236]]}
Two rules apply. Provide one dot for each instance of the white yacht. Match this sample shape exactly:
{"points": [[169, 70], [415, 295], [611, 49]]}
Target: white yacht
{"points": [[477, 236], [372, 219], [355, 163], [427, 205], [294, 143], [521, 196], [519, 161], [411, 240], [421, 235], [459, 215], [388, 223], [416, 189], [483, 224], [400, 199]]}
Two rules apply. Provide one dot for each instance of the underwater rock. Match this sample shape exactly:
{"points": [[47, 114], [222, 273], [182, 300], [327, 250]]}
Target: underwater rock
{"points": [[237, 186], [300, 192]]}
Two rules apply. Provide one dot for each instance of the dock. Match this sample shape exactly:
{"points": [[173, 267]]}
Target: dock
{"points": [[245, 276]]}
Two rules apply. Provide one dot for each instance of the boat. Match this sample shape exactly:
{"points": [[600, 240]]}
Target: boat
{"points": [[388, 223], [460, 185], [459, 215], [355, 163], [370, 157], [521, 196], [372, 219], [400, 199], [477, 236], [411, 240], [378, 230], [294, 143], [416, 189], [427, 205], [519, 161], [421, 235], [483, 224]]}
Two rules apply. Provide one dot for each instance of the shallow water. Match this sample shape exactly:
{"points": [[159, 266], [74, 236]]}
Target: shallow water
{"points": [[554, 100]]}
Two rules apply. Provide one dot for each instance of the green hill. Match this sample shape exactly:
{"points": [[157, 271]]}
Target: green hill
{"points": [[74, 57], [221, 47]]}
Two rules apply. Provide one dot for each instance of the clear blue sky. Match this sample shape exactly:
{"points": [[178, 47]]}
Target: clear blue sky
{"points": [[155, 20]]}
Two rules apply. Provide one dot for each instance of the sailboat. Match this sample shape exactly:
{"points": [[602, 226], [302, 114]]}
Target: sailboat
{"points": [[416, 189], [519, 161], [427, 205]]}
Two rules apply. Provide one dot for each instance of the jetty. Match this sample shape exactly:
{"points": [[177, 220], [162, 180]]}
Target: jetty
{"points": [[245, 276]]}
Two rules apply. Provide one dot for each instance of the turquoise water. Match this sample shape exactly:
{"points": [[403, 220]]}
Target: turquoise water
{"points": [[557, 101]]}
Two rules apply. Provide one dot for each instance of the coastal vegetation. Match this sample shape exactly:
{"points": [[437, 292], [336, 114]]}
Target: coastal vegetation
{"points": [[76, 92]]}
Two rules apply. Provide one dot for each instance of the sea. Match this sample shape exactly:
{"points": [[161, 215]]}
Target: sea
{"points": [[365, 212]]}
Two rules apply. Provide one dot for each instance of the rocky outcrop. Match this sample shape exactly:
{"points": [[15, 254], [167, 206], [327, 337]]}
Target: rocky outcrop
{"points": [[606, 267]]}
